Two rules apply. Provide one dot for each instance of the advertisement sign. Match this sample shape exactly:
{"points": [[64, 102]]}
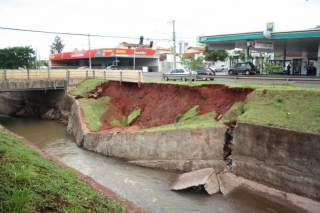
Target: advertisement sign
{"points": [[73, 55], [137, 52], [270, 26], [264, 45], [260, 44]]}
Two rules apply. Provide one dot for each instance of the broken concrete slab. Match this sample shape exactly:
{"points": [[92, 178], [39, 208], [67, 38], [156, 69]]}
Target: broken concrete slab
{"points": [[212, 186], [229, 182], [191, 179]]}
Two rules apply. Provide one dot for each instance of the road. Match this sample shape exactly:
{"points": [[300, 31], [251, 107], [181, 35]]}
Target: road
{"points": [[151, 76]]}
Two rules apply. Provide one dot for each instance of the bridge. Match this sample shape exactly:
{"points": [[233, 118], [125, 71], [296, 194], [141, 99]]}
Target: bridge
{"points": [[23, 80]]}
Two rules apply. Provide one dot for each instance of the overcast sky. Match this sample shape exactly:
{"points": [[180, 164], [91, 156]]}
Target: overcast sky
{"points": [[127, 20]]}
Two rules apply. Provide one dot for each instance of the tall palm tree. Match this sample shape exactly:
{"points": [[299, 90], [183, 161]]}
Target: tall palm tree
{"points": [[56, 46]]}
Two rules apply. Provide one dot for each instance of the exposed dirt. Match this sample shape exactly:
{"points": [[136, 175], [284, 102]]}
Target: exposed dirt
{"points": [[160, 104]]}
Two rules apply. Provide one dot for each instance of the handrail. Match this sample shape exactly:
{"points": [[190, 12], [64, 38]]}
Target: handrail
{"points": [[238, 77], [118, 75]]}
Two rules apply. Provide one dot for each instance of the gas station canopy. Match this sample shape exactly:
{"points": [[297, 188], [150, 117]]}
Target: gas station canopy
{"points": [[265, 41]]}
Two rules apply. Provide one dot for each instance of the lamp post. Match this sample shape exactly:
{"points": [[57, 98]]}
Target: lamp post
{"points": [[89, 52]]}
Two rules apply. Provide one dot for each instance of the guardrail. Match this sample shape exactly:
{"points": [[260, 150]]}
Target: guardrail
{"points": [[239, 77], [117, 75]]}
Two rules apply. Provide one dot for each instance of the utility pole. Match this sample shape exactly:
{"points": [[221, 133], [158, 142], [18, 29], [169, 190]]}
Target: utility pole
{"points": [[89, 52], [174, 45]]}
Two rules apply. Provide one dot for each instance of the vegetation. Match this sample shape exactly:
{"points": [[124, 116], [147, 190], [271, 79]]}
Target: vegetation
{"points": [[86, 86], [93, 109], [133, 115], [56, 46], [17, 57], [30, 183], [215, 55], [191, 63]]}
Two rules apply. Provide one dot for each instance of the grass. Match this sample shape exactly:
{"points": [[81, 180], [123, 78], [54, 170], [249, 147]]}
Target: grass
{"points": [[86, 86], [30, 183], [93, 110], [280, 105]]}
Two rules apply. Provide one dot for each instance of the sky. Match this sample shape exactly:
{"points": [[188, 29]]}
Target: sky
{"points": [[126, 20]]}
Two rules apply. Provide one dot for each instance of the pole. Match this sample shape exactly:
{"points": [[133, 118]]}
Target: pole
{"points": [[134, 59], [174, 46], [89, 51]]}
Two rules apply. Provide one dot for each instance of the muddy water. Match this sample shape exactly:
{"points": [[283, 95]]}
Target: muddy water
{"points": [[147, 188]]}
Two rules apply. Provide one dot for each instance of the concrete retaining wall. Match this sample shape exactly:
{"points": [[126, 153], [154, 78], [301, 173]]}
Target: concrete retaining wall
{"points": [[277, 157], [194, 146]]}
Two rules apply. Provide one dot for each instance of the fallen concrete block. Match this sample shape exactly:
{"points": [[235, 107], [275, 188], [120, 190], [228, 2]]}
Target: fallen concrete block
{"points": [[212, 186], [192, 179]]}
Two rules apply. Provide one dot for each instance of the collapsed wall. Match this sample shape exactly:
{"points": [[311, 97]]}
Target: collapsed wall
{"points": [[280, 158], [181, 150]]}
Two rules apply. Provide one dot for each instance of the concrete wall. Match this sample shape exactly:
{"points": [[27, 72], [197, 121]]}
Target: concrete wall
{"points": [[194, 146], [277, 157]]}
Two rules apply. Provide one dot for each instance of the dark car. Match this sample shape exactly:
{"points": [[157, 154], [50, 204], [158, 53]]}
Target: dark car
{"points": [[205, 71], [243, 68]]}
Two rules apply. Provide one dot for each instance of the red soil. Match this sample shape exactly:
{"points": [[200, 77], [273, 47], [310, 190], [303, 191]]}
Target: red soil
{"points": [[160, 104]]}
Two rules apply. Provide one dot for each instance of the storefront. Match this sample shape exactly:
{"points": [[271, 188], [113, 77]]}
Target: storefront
{"points": [[124, 58]]}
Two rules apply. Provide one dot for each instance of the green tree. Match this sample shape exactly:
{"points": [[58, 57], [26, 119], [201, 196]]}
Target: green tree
{"points": [[56, 46], [191, 63], [241, 54], [215, 55], [17, 57]]}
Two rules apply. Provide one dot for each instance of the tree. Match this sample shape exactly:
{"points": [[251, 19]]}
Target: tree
{"points": [[242, 55], [17, 57], [56, 46], [215, 55], [191, 63]]}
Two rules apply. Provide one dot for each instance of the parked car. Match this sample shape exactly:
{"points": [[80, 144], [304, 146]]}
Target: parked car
{"points": [[83, 67], [281, 71], [179, 74], [243, 68], [205, 71], [217, 68], [112, 67]]}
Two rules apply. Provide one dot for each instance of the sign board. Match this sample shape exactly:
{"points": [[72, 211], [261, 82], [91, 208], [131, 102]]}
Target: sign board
{"points": [[260, 44], [270, 26], [264, 45]]}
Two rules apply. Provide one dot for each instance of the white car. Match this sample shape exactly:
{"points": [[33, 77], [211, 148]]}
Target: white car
{"points": [[178, 74], [217, 68]]}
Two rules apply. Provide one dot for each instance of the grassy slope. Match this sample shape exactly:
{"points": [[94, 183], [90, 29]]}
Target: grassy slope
{"points": [[266, 108], [30, 183]]}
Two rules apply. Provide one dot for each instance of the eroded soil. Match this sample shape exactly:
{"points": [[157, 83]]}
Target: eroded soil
{"points": [[160, 104]]}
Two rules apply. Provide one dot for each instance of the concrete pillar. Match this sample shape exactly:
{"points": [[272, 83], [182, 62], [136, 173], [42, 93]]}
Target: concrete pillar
{"points": [[304, 63], [318, 61]]}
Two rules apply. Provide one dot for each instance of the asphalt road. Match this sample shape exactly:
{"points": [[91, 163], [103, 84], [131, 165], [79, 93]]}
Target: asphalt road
{"points": [[152, 76]]}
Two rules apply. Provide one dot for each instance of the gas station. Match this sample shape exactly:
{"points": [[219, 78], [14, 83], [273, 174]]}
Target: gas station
{"points": [[123, 58], [300, 48]]}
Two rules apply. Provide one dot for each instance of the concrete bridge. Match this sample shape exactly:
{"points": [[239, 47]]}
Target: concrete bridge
{"points": [[24, 80]]}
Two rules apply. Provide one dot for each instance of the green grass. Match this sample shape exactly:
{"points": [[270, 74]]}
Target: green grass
{"points": [[93, 110], [202, 121], [191, 113], [86, 86], [30, 183], [133, 115]]}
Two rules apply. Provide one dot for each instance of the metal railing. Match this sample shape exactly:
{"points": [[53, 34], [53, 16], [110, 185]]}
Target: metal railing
{"points": [[239, 77], [116, 75]]}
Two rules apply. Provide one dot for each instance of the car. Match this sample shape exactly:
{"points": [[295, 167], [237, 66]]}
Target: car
{"points": [[205, 71], [83, 67], [179, 74], [281, 71], [112, 67], [217, 68], [243, 68]]}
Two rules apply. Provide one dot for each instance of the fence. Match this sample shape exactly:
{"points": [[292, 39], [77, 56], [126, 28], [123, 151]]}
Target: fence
{"points": [[117, 75]]}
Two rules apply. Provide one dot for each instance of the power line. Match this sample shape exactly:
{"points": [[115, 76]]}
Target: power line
{"points": [[77, 34]]}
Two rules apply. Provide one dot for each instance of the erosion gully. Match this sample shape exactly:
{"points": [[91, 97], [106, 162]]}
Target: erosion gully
{"points": [[147, 188]]}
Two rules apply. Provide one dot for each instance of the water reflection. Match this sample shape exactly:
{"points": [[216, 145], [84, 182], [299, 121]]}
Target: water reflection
{"points": [[145, 187]]}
